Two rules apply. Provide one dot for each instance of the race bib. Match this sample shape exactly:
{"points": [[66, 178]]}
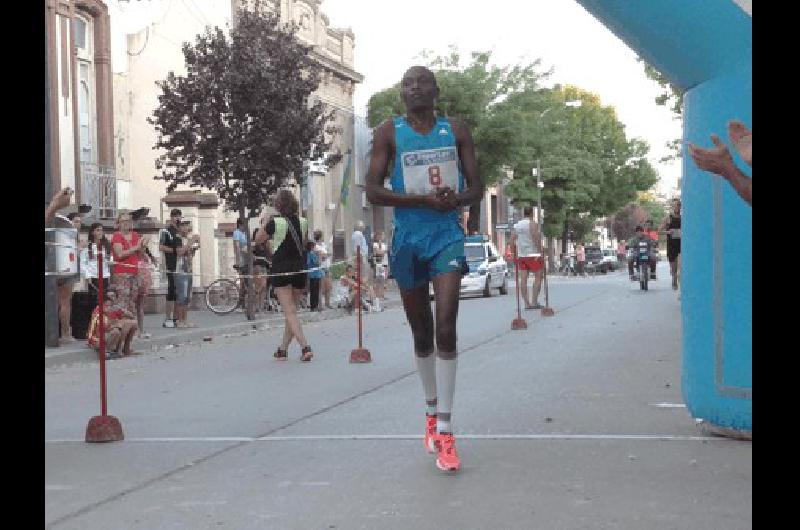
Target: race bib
{"points": [[425, 171]]}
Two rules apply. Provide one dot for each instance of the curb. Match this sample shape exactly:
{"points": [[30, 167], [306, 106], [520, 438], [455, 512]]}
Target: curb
{"points": [[85, 354]]}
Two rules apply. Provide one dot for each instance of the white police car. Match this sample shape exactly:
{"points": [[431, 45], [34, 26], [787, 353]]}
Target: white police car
{"points": [[487, 268]]}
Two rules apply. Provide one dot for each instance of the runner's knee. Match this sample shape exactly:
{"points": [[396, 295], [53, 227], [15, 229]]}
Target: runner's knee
{"points": [[446, 339]]}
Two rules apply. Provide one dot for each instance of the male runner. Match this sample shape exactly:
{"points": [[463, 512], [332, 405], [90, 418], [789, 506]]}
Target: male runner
{"points": [[529, 256], [430, 157]]}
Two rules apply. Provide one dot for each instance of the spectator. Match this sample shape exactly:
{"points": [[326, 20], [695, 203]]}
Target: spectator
{"points": [[580, 257], [719, 160], [359, 241], [239, 245], [169, 243], [119, 324], [289, 234], [326, 285], [349, 280], [127, 247], [315, 276], [97, 243], [261, 266], [77, 223], [183, 275], [621, 252], [380, 261], [60, 200], [65, 287]]}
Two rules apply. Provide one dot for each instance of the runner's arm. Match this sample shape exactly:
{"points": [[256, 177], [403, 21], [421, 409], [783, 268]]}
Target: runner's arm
{"points": [[383, 149], [469, 166]]}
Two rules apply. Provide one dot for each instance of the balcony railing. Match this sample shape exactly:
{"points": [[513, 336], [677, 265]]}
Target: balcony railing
{"points": [[99, 189]]}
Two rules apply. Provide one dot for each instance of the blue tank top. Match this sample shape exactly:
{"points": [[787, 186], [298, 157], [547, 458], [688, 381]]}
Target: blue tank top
{"points": [[423, 163]]}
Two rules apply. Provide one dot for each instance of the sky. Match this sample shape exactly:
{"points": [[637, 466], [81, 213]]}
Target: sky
{"points": [[390, 35]]}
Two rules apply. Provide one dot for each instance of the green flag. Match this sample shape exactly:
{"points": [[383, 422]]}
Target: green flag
{"points": [[346, 178]]}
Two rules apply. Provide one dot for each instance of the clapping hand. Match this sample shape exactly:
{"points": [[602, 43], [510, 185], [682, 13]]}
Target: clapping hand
{"points": [[742, 139], [61, 199], [716, 159]]}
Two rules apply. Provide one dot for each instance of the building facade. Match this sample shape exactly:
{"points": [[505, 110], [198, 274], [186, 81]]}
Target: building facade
{"points": [[80, 118], [154, 51]]}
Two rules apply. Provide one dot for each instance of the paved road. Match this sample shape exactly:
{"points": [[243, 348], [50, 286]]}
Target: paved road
{"points": [[575, 422]]}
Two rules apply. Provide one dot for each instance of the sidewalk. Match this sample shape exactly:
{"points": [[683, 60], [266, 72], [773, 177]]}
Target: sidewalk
{"points": [[208, 325]]}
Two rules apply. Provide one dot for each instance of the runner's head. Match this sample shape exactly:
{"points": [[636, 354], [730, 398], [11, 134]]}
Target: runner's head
{"points": [[418, 89], [317, 235], [639, 230], [528, 211], [676, 206]]}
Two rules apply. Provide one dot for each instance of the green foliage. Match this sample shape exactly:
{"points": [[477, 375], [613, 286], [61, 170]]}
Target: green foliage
{"points": [[672, 97], [473, 92], [589, 167], [624, 221]]}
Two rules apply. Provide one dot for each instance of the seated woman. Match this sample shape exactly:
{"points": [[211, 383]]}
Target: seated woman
{"points": [[349, 281], [120, 327]]}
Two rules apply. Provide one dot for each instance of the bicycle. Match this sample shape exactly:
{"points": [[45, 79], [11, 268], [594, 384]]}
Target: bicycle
{"points": [[224, 295]]}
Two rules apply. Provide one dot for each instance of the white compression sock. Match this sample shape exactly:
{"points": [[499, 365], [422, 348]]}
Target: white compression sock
{"points": [[446, 382], [426, 366]]}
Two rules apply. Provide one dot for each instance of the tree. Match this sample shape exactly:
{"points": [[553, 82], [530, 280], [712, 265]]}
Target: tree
{"points": [[241, 121], [625, 221], [589, 167], [473, 92], [672, 97]]}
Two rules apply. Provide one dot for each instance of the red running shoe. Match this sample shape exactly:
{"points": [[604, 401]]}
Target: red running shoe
{"points": [[447, 460], [430, 433]]}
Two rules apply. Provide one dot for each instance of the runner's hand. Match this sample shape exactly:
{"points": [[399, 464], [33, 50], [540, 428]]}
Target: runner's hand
{"points": [[434, 201], [447, 195]]}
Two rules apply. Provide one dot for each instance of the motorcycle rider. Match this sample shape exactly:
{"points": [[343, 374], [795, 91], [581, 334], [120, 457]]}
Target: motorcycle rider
{"points": [[634, 243]]}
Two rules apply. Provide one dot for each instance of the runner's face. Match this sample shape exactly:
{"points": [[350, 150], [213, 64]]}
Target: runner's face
{"points": [[98, 233], [418, 89]]}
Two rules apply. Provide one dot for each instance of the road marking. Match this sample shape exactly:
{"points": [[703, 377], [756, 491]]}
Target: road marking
{"points": [[335, 437], [669, 405]]}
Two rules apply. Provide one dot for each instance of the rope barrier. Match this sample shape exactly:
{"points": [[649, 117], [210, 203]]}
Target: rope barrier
{"points": [[160, 270]]}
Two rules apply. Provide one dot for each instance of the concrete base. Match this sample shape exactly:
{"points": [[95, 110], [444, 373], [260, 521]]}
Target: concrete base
{"points": [[519, 323], [360, 355], [104, 429]]}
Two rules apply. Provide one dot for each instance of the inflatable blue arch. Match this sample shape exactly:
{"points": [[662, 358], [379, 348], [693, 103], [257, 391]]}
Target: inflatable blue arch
{"points": [[705, 47]]}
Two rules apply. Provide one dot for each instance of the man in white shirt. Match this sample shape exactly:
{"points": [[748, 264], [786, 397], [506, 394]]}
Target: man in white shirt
{"points": [[528, 240]]}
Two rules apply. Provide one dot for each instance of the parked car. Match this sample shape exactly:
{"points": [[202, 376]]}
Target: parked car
{"points": [[594, 260], [610, 261]]}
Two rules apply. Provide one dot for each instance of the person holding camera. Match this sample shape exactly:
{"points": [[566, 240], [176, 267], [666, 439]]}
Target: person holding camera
{"points": [[183, 274]]}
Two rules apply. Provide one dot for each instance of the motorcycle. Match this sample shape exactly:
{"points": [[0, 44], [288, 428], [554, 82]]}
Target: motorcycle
{"points": [[643, 263]]}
